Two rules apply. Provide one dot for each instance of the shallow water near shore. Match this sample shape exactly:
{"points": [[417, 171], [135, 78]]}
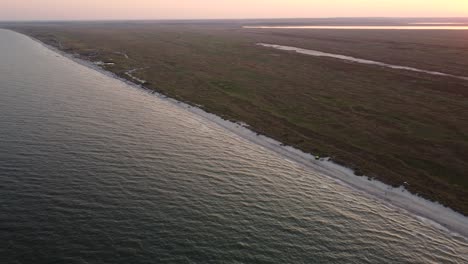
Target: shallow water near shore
{"points": [[93, 170]]}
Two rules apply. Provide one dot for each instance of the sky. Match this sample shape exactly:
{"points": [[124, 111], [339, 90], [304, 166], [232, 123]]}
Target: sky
{"points": [[213, 9]]}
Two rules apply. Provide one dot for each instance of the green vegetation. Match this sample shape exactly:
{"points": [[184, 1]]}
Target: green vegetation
{"points": [[393, 125]]}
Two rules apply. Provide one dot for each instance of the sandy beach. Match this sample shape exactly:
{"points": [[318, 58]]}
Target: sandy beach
{"points": [[426, 211]]}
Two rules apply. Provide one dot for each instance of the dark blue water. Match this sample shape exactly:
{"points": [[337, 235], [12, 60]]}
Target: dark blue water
{"points": [[95, 171]]}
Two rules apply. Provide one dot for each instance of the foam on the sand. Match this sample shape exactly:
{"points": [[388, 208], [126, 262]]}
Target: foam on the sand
{"points": [[130, 74], [426, 211], [430, 212]]}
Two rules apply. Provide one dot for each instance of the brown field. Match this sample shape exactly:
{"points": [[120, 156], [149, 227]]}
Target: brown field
{"points": [[394, 125]]}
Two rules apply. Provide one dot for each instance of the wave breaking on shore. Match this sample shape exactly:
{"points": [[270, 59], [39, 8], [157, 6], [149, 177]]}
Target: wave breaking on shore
{"points": [[426, 211]]}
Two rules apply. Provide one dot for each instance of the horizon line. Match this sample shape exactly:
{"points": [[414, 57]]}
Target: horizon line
{"points": [[227, 19]]}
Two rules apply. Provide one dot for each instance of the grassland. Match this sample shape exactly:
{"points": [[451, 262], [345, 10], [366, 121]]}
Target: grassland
{"points": [[393, 125]]}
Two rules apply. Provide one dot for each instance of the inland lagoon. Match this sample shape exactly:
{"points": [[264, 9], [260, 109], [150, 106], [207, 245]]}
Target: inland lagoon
{"points": [[95, 170]]}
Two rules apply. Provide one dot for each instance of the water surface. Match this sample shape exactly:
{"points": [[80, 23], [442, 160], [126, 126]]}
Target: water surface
{"points": [[437, 23], [95, 171], [357, 60], [428, 27]]}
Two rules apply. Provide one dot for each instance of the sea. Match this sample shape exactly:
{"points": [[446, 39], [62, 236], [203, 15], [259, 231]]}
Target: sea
{"points": [[94, 170]]}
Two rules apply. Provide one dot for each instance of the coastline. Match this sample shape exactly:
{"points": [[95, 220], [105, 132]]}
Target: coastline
{"points": [[438, 215]]}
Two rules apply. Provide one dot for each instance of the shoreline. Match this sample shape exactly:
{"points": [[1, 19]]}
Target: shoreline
{"points": [[424, 210]]}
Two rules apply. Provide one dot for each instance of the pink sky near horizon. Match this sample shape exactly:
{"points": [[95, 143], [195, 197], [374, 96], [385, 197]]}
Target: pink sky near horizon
{"points": [[210, 9]]}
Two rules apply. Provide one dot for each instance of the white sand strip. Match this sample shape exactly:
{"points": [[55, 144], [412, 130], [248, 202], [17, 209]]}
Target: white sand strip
{"points": [[425, 211]]}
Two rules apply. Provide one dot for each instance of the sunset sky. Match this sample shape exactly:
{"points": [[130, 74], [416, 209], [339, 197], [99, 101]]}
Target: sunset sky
{"points": [[197, 9]]}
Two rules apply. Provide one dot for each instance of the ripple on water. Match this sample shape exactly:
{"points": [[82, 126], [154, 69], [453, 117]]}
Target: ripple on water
{"points": [[95, 171]]}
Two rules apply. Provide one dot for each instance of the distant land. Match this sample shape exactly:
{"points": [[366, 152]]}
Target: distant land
{"points": [[401, 127]]}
